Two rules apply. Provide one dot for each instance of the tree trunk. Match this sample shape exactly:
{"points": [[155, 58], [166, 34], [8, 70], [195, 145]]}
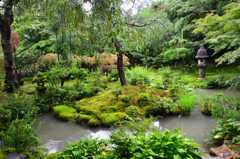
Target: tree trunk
{"points": [[120, 64], [10, 79], [6, 20]]}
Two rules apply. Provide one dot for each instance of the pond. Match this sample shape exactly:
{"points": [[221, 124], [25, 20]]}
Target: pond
{"points": [[55, 134]]}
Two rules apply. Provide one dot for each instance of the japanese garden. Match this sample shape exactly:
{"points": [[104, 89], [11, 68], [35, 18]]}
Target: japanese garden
{"points": [[111, 79]]}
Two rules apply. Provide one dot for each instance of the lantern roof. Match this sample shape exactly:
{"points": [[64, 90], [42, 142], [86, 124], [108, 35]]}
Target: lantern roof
{"points": [[202, 53]]}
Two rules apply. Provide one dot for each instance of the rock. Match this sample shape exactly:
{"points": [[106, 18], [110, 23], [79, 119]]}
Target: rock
{"points": [[234, 147], [223, 152], [15, 155]]}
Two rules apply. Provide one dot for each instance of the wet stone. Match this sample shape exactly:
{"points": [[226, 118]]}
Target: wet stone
{"points": [[15, 155], [223, 152]]}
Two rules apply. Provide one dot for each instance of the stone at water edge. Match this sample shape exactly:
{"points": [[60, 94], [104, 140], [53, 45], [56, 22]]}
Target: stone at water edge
{"points": [[223, 152]]}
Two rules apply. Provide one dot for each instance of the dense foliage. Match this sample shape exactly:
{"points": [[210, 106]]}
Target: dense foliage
{"points": [[138, 145]]}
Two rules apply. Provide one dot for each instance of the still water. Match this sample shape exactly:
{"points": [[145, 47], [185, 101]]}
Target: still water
{"points": [[55, 134]]}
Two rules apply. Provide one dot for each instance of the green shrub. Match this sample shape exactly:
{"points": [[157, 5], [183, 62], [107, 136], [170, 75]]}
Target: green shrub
{"points": [[21, 134], [117, 92], [133, 111], [85, 148], [165, 145], [176, 90], [113, 76], [126, 98], [166, 104], [158, 84], [17, 106], [224, 130], [139, 72], [151, 145], [186, 102], [233, 83], [143, 99], [217, 82]]}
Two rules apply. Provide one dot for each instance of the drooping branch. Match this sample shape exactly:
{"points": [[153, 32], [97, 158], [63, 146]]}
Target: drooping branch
{"points": [[136, 25]]}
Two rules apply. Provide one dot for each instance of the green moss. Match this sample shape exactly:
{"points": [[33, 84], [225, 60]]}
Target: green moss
{"points": [[28, 89], [108, 119], [9, 150], [108, 110], [94, 123], [52, 156], [82, 118], [64, 112], [2, 156], [66, 116], [89, 110]]}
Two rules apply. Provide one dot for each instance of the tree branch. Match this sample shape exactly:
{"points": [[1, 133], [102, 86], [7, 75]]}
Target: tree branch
{"points": [[135, 25], [8, 13]]}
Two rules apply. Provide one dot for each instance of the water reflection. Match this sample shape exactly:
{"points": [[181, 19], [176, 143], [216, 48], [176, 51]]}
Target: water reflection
{"points": [[55, 134]]}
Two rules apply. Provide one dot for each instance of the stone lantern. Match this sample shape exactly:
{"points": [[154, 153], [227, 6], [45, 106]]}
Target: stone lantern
{"points": [[202, 56]]}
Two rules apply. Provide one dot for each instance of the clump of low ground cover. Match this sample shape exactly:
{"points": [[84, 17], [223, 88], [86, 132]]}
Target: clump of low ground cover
{"points": [[144, 141]]}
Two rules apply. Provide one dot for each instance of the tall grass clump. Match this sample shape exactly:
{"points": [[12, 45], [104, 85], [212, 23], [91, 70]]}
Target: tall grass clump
{"points": [[186, 102], [139, 72]]}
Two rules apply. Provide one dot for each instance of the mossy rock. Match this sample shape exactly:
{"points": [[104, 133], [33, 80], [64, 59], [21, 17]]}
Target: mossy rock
{"points": [[108, 119], [83, 118], [64, 112], [177, 110], [52, 156], [94, 123]]}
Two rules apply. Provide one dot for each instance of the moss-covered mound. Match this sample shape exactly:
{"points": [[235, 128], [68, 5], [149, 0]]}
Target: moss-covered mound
{"points": [[104, 108], [64, 112]]}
